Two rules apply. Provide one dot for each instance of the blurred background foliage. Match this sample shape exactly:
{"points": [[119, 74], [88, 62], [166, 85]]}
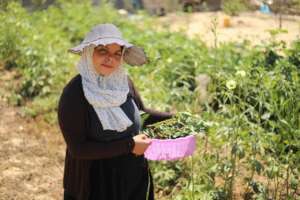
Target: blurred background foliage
{"points": [[252, 110]]}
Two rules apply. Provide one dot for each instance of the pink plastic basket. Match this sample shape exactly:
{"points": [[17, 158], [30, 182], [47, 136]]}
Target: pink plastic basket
{"points": [[171, 149]]}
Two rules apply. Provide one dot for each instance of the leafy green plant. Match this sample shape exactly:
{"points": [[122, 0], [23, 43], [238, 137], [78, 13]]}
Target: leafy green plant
{"points": [[183, 124], [234, 7]]}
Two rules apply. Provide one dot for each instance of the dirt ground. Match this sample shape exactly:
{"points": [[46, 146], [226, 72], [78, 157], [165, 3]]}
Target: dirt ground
{"points": [[252, 26], [31, 153]]}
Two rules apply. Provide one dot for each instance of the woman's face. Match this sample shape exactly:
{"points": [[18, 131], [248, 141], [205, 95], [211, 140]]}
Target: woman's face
{"points": [[107, 59]]}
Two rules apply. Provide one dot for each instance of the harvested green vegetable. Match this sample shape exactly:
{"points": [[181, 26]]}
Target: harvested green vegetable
{"points": [[182, 124]]}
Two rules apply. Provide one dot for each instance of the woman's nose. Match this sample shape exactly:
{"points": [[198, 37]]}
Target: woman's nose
{"points": [[108, 59]]}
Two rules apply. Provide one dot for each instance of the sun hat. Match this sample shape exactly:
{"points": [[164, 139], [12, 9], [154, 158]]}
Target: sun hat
{"points": [[171, 149], [104, 34]]}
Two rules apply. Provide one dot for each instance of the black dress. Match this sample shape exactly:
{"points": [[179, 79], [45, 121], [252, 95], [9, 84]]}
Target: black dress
{"points": [[99, 164], [125, 177]]}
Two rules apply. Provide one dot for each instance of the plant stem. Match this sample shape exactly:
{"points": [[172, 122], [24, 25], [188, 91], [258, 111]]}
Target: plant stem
{"points": [[231, 186], [280, 14], [287, 180], [205, 146], [276, 187], [192, 177]]}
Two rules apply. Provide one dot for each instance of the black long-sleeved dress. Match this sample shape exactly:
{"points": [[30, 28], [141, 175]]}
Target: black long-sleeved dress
{"points": [[99, 164]]}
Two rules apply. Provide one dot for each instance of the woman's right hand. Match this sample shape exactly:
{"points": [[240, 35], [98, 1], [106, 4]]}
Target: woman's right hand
{"points": [[141, 143]]}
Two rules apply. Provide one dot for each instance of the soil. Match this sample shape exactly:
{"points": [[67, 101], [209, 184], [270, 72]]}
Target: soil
{"points": [[252, 26], [31, 153]]}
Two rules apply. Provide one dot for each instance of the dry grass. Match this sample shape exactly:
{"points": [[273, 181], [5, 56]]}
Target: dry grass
{"points": [[31, 154]]}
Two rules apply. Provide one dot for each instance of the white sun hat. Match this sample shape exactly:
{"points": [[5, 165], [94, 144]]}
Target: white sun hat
{"points": [[104, 34]]}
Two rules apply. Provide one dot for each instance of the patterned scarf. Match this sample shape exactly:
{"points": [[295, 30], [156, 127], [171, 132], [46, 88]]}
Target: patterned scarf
{"points": [[105, 93]]}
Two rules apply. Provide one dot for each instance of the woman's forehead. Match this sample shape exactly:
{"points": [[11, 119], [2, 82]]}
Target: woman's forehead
{"points": [[111, 47]]}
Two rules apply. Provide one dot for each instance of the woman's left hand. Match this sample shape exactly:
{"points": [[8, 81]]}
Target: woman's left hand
{"points": [[141, 143]]}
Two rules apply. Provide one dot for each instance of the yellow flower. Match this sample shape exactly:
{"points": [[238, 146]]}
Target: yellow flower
{"points": [[241, 73], [169, 60], [231, 84]]}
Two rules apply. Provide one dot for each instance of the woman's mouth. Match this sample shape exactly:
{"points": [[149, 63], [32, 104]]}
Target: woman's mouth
{"points": [[107, 66]]}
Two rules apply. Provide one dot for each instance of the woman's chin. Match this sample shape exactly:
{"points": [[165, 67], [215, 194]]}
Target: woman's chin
{"points": [[106, 72]]}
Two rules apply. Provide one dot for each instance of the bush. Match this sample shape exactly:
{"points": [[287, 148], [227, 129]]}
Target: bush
{"points": [[234, 7]]}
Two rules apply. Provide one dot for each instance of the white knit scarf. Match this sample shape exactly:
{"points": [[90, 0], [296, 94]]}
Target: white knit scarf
{"points": [[105, 93]]}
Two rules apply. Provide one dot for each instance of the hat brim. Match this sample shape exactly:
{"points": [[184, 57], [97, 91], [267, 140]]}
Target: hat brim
{"points": [[133, 55], [104, 41]]}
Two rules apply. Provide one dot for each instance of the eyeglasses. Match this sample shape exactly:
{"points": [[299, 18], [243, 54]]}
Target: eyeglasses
{"points": [[102, 51]]}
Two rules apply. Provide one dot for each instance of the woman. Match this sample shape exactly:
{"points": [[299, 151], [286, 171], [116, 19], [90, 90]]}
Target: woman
{"points": [[99, 117]]}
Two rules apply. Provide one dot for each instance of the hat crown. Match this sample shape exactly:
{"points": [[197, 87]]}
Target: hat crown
{"points": [[104, 34], [103, 31]]}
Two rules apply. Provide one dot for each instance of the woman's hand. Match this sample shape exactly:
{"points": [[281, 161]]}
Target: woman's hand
{"points": [[141, 143]]}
